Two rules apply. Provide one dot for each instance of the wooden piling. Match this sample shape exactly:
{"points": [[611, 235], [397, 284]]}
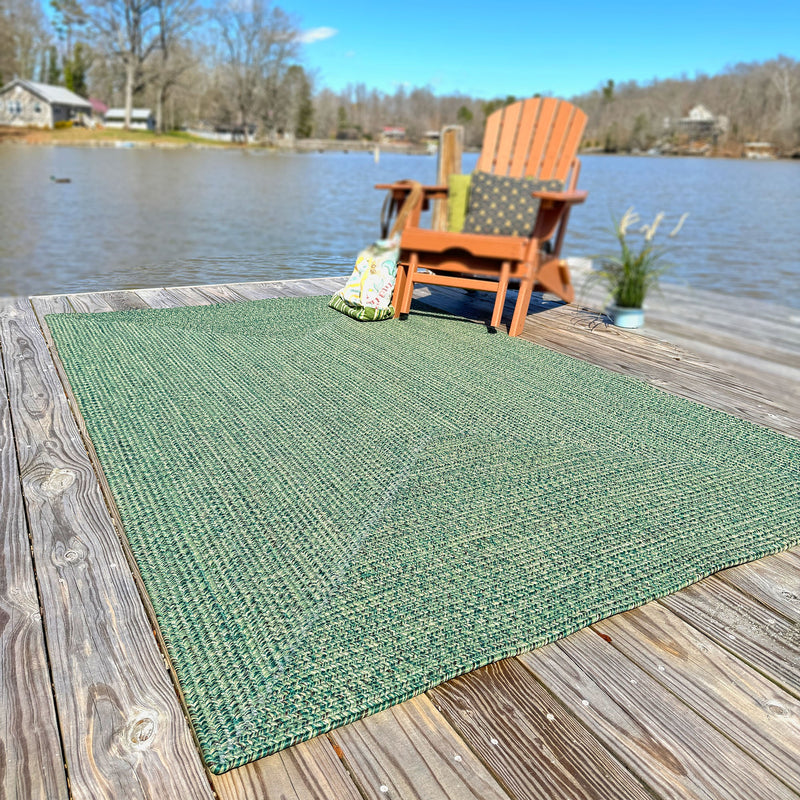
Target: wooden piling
{"points": [[451, 148]]}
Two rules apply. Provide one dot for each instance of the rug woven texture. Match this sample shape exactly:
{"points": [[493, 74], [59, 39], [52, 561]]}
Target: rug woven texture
{"points": [[332, 516]]}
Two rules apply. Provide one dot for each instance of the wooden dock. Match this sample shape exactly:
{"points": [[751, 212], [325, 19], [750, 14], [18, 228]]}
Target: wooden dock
{"points": [[693, 696]]}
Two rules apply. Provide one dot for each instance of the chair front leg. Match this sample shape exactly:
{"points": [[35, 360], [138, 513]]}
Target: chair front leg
{"points": [[408, 288], [500, 300], [521, 308], [399, 287]]}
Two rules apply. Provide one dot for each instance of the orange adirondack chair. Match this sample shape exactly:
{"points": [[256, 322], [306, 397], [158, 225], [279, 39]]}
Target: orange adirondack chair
{"points": [[535, 138]]}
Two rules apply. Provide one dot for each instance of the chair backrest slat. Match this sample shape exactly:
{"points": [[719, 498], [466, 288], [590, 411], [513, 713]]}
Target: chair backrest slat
{"points": [[536, 138], [522, 147], [543, 125], [508, 134], [572, 141], [556, 141], [490, 136]]}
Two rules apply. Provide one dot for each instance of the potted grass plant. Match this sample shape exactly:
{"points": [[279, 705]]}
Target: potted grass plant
{"points": [[630, 275]]}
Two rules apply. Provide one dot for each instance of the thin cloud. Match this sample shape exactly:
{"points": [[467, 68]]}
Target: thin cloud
{"points": [[316, 35]]}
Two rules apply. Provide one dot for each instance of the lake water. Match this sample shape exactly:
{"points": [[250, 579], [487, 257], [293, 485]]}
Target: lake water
{"points": [[147, 217]]}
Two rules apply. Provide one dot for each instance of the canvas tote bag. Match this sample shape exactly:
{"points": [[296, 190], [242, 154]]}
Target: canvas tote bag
{"points": [[367, 295]]}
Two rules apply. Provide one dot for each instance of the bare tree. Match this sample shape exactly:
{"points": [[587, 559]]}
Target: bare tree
{"points": [[326, 104], [176, 20], [22, 39], [257, 44], [127, 31], [784, 78]]}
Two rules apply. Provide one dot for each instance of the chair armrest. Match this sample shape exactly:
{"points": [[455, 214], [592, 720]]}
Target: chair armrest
{"points": [[429, 192], [554, 210], [398, 193], [550, 199]]}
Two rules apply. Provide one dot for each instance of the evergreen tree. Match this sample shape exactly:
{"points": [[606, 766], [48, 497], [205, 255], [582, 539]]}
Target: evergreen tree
{"points": [[304, 124], [76, 69], [53, 74]]}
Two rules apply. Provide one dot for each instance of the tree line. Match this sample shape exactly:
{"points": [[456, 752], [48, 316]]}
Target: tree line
{"points": [[238, 64], [758, 100]]}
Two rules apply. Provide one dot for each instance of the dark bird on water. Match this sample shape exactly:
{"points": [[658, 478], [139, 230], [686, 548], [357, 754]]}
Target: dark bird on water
{"points": [[60, 180]]}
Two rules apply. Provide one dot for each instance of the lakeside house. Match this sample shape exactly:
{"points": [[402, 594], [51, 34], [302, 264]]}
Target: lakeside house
{"points": [[142, 119], [39, 105], [393, 133], [701, 123]]}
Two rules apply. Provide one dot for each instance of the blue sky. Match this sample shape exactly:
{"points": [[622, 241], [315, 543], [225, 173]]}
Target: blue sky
{"points": [[501, 47]]}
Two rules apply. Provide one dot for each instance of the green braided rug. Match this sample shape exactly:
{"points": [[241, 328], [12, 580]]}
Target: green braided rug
{"points": [[332, 516]]}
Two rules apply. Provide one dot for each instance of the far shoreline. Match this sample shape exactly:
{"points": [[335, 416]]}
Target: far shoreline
{"points": [[180, 140]]}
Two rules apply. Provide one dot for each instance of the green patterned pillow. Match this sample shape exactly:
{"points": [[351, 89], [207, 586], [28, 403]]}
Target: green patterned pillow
{"points": [[503, 206], [362, 313]]}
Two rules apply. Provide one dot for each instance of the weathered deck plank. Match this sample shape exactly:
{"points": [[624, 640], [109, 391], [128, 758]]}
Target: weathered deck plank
{"points": [[88, 303], [190, 296], [408, 751], [754, 633], [659, 738], [31, 761], [220, 293], [121, 299], [745, 706], [308, 771], [122, 728], [529, 740], [773, 581], [756, 342], [157, 298]]}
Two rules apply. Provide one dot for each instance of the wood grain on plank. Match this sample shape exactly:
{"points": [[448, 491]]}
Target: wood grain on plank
{"points": [[792, 555], [122, 299], [122, 728], [189, 296], [261, 290], [757, 342], [59, 303], [745, 627], [158, 297], [773, 581], [309, 287], [307, 771], [781, 352], [220, 293], [660, 739], [31, 761], [88, 303], [707, 313], [529, 741], [747, 707], [410, 751]]}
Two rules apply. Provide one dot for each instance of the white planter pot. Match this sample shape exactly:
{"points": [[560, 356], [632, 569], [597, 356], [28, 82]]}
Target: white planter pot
{"points": [[627, 317]]}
